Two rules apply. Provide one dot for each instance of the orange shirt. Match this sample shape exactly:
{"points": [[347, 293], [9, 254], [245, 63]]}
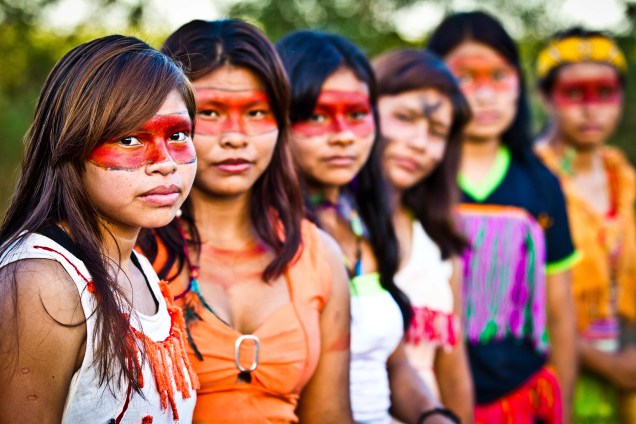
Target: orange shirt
{"points": [[289, 346], [607, 241]]}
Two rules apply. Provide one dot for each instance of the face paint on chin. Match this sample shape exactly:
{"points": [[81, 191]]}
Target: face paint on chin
{"points": [[587, 91], [475, 72], [338, 111], [245, 111], [156, 145]]}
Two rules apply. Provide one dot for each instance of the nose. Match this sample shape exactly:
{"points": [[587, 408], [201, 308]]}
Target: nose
{"points": [[419, 140], [233, 140], [484, 93], [342, 133], [232, 124], [161, 162]]}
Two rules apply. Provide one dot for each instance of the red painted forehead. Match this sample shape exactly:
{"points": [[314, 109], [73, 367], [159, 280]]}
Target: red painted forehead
{"points": [[342, 98], [230, 97]]}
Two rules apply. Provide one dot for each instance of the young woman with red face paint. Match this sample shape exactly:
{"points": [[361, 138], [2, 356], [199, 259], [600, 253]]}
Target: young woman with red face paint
{"points": [[422, 115], [581, 78], [516, 273], [86, 335], [334, 133], [264, 291]]}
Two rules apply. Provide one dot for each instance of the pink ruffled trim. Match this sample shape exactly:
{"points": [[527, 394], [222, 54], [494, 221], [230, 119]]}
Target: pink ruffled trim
{"points": [[433, 326]]}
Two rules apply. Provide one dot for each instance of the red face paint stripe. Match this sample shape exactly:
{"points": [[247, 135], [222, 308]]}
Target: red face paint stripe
{"points": [[247, 112], [339, 111], [156, 145], [587, 91], [474, 72]]}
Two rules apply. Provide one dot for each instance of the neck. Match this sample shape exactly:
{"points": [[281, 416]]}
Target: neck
{"points": [[584, 159], [395, 198], [329, 193], [119, 242], [222, 221], [483, 151]]}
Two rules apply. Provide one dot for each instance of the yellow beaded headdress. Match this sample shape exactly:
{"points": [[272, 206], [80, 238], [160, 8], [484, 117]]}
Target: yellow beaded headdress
{"points": [[597, 48]]}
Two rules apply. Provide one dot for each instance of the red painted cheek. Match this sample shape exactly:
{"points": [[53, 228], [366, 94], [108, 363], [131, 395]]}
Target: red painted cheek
{"points": [[182, 153], [156, 145], [362, 128], [114, 156], [583, 93]]}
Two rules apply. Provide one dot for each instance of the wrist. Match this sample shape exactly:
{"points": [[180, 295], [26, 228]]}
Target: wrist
{"points": [[438, 410]]}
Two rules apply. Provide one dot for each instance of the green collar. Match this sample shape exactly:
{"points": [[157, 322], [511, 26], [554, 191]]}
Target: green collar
{"points": [[480, 191]]}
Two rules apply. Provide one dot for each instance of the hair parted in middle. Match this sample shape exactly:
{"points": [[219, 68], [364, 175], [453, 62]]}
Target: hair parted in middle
{"points": [[203, 47], [482, 28], [310, 58], [433, 199]]}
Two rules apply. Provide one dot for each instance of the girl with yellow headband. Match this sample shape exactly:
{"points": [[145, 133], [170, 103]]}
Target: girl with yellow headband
{"points": [[581, 77]]}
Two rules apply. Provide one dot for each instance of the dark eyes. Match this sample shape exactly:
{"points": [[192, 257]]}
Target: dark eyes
{"points": [[130, 141], [321, 118], [180, 136], [606, 92], [209, 113], [574, 94]]}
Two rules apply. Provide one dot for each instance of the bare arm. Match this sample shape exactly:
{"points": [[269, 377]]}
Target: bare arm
{"points": [[451, 367], [410, 396], [619, 367], [562, 330], [38, 355], [325, 398]]}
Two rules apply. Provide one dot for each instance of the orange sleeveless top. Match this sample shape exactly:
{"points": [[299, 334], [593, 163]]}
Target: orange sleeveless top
{"points": [[608, 243], [289, 345]]}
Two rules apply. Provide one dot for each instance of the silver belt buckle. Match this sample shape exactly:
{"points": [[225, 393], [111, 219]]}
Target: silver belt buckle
{"points": [[237, 352]]}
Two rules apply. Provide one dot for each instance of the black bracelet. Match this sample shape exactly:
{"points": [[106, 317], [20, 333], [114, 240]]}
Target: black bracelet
{"points": [[438, 411]]}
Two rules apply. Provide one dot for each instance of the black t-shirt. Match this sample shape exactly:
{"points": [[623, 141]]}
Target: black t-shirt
{"points": [[518, 207]]}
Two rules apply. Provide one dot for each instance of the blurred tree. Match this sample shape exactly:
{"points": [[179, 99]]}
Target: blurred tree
{"points": [[29, 47]]}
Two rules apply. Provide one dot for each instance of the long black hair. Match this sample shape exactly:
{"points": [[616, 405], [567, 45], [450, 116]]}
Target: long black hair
{"points": [[432, 200], [482, 28], [203, 47], [310, 58], [100, 90]]}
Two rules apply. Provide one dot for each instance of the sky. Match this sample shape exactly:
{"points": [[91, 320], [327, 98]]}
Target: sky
{"points": [[412, 23]]}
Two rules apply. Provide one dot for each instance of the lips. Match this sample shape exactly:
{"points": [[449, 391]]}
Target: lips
{"points": [[165, 195], [340, 160], [234, 165], [586, 128], [405, 163], [486, 117]]}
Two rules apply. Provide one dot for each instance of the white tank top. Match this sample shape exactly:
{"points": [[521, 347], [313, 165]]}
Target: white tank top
{"points": [[376, 330], [425, 279], [87, 402]]}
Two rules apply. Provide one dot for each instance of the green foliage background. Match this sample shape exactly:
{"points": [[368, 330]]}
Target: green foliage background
{"points": [[29, 48]]}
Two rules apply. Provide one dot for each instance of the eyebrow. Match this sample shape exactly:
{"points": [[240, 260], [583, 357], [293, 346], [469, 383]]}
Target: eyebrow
{"points": [[429, 109]]}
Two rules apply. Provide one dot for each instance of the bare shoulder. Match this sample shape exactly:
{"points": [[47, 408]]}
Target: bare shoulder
{"points": [[42, 334], [41, 285], [331, 247]]}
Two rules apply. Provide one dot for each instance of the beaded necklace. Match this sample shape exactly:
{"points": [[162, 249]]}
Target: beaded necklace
{"points": [[346, 209]]}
